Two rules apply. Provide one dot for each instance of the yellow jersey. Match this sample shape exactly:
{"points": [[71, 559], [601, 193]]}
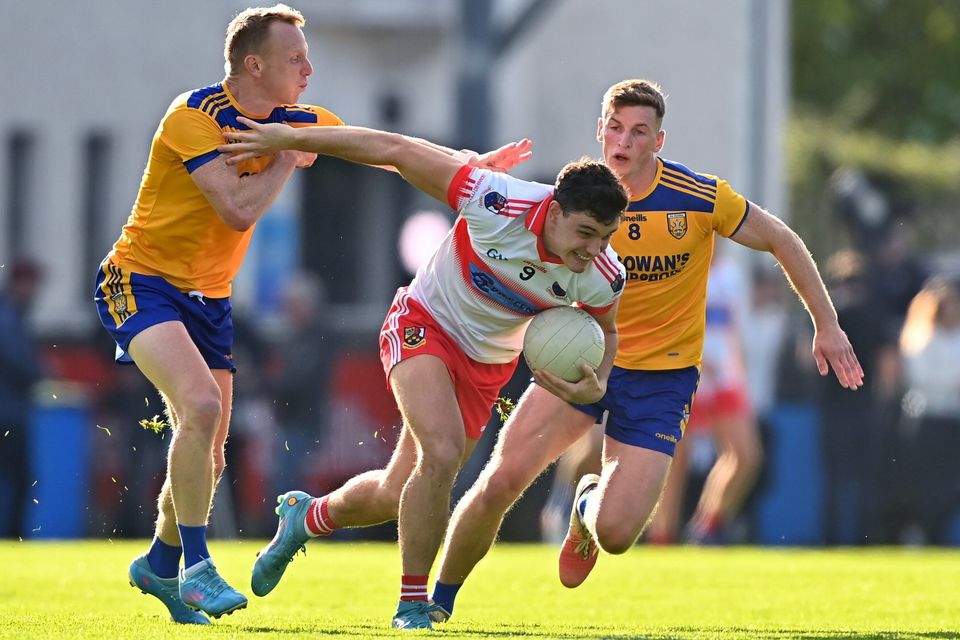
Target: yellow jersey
{"points": [[173, 231], [665, 243]]}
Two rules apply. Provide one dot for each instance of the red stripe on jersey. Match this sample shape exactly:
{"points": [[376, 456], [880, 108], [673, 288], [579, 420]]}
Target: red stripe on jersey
{"points": [[537, 216], [461, 187], [606, 267], [516, 208], [596, 311]]}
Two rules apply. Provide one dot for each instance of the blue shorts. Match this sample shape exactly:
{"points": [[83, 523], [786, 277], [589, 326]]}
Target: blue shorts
{"points": [[128, 303], [647, 409]]}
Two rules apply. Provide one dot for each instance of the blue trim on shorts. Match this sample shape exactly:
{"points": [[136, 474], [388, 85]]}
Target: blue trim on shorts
{"points": [[209, 321], [647, 408]]}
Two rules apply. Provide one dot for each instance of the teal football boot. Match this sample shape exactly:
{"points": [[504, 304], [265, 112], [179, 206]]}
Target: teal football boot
{"points": [[290, 538], [166, 590], [417, 614], [202, 588]]}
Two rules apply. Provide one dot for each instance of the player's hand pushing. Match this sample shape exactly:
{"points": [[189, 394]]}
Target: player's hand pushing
{"points": [[501, 160], [585, 391], [260, 140]]}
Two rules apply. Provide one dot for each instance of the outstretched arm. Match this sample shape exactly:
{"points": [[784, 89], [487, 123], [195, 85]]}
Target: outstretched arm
{"points": [[424, 165], [831, 347]]}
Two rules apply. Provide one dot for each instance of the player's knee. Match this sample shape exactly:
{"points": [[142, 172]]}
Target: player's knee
{"points": [[389, 497], [615, 537], [201, 411], [441, 457], [500, 487]]}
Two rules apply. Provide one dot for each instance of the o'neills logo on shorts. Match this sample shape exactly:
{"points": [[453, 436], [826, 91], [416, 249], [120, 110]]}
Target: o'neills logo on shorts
{"points": [[414, 337], [667, 437]]}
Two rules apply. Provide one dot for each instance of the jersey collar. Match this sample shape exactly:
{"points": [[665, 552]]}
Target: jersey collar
{"points": [[536, 220]]}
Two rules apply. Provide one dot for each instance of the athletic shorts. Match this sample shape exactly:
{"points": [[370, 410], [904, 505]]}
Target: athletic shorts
{"points": [[716, 404], [128, 303], [409, 331], [647, 409]]}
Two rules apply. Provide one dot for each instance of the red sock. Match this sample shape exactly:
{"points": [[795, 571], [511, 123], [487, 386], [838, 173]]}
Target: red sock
{"points": [[413, 587], [318, 521]]}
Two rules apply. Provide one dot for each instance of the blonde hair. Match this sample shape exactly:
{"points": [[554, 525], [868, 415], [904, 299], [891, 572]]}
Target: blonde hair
{"points": [[247, 32], [631, 93], [924, 313]]}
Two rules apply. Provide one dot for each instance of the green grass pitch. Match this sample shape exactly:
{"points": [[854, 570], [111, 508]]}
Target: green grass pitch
{"points": [[343, 590]]}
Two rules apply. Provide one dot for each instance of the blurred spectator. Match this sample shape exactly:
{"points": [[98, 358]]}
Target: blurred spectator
{"points": [[855, 428], [254, 437], [20, 369], [130, 462], [297, 376], [766, 325], [929, 429], [896, 272], [880, 231]]}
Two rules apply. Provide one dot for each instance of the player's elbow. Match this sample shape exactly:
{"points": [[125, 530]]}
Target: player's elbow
{"points": [[237, 218], [395, 148]]}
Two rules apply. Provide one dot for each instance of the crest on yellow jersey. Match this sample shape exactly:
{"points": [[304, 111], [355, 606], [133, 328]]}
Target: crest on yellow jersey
{"points": [[677, 224]]}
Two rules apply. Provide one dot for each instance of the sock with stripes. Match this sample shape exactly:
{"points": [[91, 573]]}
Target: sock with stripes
{"points": [[413, 588], [318, 521]]}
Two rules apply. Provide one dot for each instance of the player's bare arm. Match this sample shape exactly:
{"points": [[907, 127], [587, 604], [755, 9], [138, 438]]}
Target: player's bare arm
{"points": [[831, 347], [426, 168], [242, 200], [501, 160], [593, 385]]}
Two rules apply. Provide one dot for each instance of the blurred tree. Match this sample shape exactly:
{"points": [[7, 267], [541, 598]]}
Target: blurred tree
{"points": [[882, 65], [876, 88]]}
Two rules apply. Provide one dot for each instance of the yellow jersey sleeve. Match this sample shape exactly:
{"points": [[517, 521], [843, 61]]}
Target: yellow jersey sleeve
{"points": [[190, 133]]}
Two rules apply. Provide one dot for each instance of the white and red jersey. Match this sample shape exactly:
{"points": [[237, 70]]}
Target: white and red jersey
{"points": [[727, 292], [491, 273]]}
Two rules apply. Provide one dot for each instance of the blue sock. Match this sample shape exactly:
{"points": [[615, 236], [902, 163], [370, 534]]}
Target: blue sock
{"points": [[445, 594], [194, 541], [582, 505], [164, 559]]}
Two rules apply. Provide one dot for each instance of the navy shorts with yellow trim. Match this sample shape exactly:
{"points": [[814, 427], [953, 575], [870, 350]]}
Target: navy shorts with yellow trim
{"points": [[128, 303], [647, 409]]}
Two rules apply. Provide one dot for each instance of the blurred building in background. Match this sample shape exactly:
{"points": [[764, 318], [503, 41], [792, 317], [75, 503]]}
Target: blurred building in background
{"points": [[80, 109]]}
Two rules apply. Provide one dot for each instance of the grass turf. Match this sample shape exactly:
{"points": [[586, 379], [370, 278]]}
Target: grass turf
{"points": [[340, 590]]}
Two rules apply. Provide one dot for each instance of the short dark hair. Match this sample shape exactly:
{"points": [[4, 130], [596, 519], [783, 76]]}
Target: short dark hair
{"points": [[589, 186]]}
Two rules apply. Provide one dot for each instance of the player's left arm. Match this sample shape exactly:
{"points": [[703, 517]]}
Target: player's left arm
{"points": [[831, 348], [593, 385]]}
